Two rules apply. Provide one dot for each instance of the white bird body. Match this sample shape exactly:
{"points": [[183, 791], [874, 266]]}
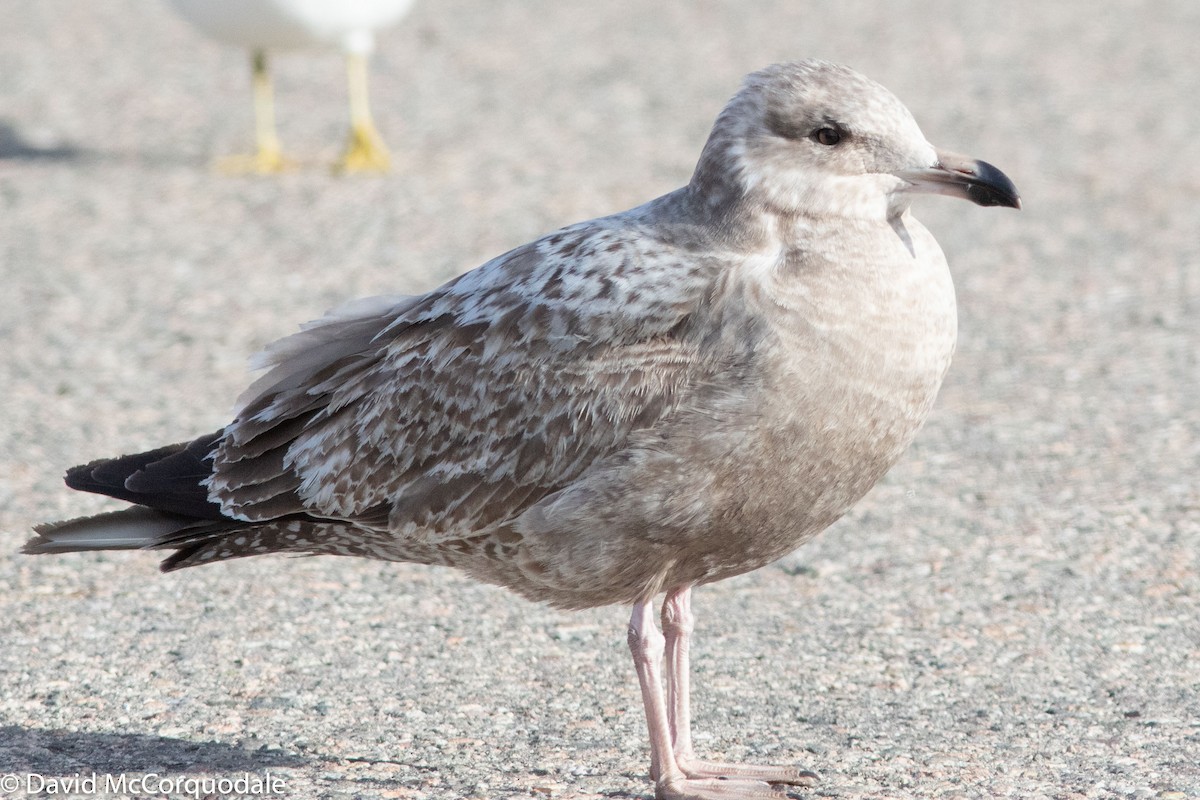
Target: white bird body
{"points": [[272, 25], [349, 25]]}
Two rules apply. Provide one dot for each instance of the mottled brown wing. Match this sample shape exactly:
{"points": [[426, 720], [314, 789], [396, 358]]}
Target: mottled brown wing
{"points": [[459, 409]]}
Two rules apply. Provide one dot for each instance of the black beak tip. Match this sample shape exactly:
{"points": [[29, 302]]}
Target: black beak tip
{"points": [[991, 187]]}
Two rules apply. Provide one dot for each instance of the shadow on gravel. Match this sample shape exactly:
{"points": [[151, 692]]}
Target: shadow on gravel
{"points": [[57, 752], [14, 147]]}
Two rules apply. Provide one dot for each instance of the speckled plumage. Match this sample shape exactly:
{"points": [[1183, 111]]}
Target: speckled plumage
{"points": [[640, 403]]}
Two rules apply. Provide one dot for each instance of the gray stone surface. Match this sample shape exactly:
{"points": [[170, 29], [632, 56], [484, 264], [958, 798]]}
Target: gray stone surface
{"points": [[1015, 612]]}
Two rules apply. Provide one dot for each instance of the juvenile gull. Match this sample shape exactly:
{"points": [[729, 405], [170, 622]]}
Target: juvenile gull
{"points": [[638, 404]]}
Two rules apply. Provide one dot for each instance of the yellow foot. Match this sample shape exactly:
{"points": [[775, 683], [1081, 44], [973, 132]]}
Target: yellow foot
{"points": [[264, 162], [365, 152]]}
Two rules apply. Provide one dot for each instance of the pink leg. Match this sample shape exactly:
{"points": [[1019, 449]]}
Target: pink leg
{"points": [[677, 625], [670, 782], [646, 645]]}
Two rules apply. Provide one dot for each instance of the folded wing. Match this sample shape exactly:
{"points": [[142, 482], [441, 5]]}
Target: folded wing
{"points": [[441, 415]]}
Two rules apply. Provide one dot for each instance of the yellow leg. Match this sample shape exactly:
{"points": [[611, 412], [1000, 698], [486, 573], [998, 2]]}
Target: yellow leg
{"points": [[269, 159], [365, 152]]}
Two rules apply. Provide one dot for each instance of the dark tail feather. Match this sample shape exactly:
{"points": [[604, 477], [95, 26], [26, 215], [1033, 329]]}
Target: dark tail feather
{"points": [[172, 512], [169, 479]]}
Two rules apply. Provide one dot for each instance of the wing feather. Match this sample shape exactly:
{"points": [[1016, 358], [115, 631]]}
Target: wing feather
{"points": [[457, 410]]}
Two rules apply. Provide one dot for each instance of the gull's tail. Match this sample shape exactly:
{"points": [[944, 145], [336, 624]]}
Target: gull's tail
{"points": [[172, 507], [136, 528], [172, 511]]}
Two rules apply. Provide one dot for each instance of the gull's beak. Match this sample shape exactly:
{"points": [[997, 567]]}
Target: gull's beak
{"points": [[960, 176]]}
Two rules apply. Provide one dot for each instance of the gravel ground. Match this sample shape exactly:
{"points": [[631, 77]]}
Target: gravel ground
{"points": [[1014, 612]]}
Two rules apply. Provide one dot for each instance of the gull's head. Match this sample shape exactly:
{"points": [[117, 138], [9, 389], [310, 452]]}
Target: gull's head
{"points": [[817, 138]]}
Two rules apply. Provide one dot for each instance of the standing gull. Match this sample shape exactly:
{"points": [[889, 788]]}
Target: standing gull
{"points": [[638, 404], [271, 25]]}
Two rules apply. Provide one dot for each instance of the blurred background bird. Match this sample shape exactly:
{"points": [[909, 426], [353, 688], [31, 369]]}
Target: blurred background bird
{"points": [[265, 26]]}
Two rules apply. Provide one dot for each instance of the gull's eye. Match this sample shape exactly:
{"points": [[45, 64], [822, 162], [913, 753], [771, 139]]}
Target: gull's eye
{"points": [[827, 136]]}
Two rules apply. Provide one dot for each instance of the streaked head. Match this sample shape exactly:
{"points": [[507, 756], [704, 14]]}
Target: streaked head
{"points": [[812, 137]]}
